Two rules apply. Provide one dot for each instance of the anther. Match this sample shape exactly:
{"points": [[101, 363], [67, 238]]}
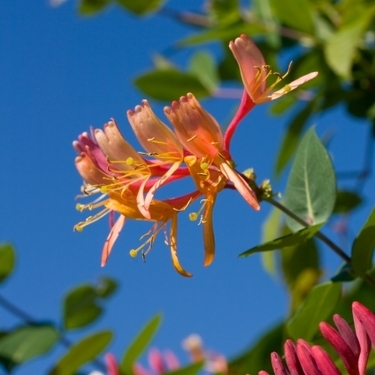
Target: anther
{"points": [[193, 216], [133, 253]]}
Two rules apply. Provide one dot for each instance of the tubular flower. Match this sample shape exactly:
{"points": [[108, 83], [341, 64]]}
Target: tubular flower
{"points": [[254, 73], [353, 347], [201, 135], [159, 142], [161, 213], [159, 363]]}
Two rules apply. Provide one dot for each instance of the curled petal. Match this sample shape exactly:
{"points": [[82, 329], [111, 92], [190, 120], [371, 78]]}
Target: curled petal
{"points": [[111, 239], [89, 171], [208, 231], [307, 361], [240, 184], [347, 334], [173, 248]]}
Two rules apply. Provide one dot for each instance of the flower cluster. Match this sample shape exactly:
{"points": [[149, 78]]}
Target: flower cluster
{"points": [[353, 347], [126, 181]]}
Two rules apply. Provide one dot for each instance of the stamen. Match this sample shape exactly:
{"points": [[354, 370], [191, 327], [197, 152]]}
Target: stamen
{"points": [[91, 219], [192, 138]]}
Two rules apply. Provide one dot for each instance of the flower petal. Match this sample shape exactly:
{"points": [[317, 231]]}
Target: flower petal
{"points": [[111, 239], [208, 231]]}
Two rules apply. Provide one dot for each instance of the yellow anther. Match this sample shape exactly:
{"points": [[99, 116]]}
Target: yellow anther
{"points": [[287, 88], [80, 207], [193, 216], [104, 189], [204, 165], [78, 228], [133, 253], [129, 161]]}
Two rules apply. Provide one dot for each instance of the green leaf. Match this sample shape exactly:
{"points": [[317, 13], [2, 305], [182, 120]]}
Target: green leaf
{"points": [[141, 7], [282, 105], [311, 187], [317, 307], [344, 273], [25, 343], [170, 84], [7, 260], [341, 47], [191, 369], [203, 66], [140, 343], [346, 201], [296, 14], [224, 12], [285, 241], [82, 304], [363, 247], [290, 141], [258, 356], [225, 34], [270, 230], [82, 352], [89, 7]]}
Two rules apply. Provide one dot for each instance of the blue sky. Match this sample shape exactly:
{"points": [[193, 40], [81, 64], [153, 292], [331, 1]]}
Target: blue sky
{"points": [[62, 73]]}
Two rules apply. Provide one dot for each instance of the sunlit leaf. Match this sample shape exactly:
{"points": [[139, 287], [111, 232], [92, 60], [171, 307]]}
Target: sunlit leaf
{"points": [[346, 201], [285, 241], [341, 47], [82, 352], [191, 369], [203, 66], [170, 84], [363, 247], [258, 356], [294, 13], [88, 7], [7, 260], [311, 187], [25, 343], [141, 7], [317, 307], [106, 287], [140, 343], [270, 230], [224, 12]]}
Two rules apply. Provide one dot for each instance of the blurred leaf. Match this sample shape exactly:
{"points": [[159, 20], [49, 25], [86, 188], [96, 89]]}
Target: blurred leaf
{"points": [[7, 260], [258, 356], [341, 47], [88, 7], [282, 105], [203, 66], [317, 307], [170, 84], [285, 241], [346, 201], [82, 352], [161, 62], [224, 12], [363, 247], [344, 273], [291, 137], [81, 305], [25, 343], [141, 7], [311, 186], [301, 269], [191, 369], [270, 230], [296, 14], [140, 343], [225, 34]]}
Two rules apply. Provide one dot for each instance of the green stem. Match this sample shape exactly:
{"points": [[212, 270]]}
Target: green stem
{"points": [[319, 235]]}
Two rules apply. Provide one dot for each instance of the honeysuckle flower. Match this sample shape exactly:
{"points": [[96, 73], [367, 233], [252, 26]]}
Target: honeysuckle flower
{"points": [[201, 135], [159, 362], [112, 367], [353, 347], [162, 213], [158, 140], [254, 72]]}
